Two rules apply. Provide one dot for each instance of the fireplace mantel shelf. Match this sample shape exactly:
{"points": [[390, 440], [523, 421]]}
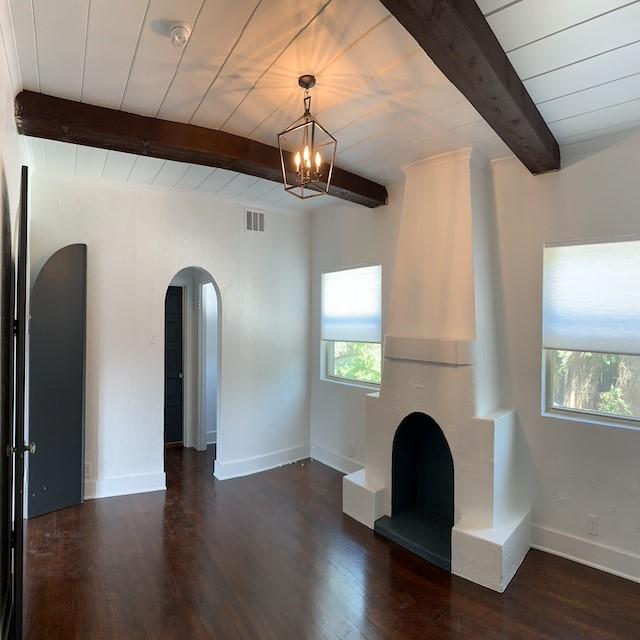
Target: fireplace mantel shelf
{"points": [[457, 353]]}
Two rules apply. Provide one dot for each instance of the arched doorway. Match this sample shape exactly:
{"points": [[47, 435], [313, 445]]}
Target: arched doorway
{"points": [[192, 361], [422, 490]]}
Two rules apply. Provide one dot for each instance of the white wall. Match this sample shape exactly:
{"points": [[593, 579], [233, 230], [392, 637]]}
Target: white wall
{"points": [[138, 239], [580, 469], [343, 236]]}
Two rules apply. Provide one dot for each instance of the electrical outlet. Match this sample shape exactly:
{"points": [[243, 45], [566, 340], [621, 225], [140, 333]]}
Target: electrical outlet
{"points": [[592, 524], [87, 469]]}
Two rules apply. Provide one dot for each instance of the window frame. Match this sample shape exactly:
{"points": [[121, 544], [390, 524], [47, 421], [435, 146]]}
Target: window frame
{"points": [[578, 415], [547, 409], [324, 344], [328, 357]]}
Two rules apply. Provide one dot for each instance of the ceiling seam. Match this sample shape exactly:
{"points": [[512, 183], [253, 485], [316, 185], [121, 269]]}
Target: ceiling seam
{"points": [[184, 50], [35, 44], [573, 26], [379, 107], [384, 105], [104, 164], [570, 64], [323, 69], [205, 178], [12, 80], [184, 173], [259, 195], [492, 136], [224, 62], [158, 171], [502, 8], [133, 166], [273, 62], [586, 113], [248, 187], [276, 186], [227, 183], [380, 73], [373, 136], [613, 129], [593, 86], [361, 37], [135, 54], [15, 48], [84, 53], [387, 130]]}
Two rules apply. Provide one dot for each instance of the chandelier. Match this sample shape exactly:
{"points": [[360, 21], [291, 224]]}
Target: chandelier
{"points": [[307, 151]]}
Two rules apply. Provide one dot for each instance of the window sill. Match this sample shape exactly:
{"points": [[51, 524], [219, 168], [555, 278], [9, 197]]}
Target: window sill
{"points": [[593, 420], [363, 386]]}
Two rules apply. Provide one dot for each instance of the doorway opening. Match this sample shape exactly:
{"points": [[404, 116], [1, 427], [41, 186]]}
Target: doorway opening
{"points": [[192, 363]]}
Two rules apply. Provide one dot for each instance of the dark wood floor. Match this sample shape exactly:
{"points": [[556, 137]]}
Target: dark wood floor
{"points": [[271, 556]]}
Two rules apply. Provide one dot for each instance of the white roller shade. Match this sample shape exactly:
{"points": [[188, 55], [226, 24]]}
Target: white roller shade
{"points": [[592, 297], [352, 305]]}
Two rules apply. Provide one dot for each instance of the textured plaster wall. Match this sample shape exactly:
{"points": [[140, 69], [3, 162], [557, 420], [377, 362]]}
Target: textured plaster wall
{"points": [[578, 468], [346, 236], [138, 239]]}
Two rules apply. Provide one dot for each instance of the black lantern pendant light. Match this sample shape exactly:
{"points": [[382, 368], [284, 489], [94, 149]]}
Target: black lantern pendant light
{"points": [[307, 151]]}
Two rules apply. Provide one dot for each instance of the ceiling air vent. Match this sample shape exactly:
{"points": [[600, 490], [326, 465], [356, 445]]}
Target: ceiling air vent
{"points": [[254, 220]]}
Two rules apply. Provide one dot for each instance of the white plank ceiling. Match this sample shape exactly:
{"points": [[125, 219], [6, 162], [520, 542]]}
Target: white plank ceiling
{"points": [[377, 91], [579, 60]]}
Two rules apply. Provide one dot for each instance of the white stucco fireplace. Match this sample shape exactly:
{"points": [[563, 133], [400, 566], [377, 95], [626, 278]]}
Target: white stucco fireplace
{"points": [[443, 359]]}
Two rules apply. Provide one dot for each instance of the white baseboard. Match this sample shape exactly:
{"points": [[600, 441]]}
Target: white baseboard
{"points": [[124, 485], [247, 466], [619, 562], [335, 460]]}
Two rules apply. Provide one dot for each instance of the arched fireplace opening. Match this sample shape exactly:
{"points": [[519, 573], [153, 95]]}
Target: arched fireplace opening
{"points": [[422, 498]]}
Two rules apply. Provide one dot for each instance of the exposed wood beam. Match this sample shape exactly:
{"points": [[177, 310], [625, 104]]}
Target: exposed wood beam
{"points": [[459, 40], [44, 116]]}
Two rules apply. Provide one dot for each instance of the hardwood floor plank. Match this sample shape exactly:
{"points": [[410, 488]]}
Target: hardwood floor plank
{"points": [[272, 557]]}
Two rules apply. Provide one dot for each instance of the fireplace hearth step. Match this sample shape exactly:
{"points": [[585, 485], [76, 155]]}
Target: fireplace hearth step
{"points": [[426, 534]]}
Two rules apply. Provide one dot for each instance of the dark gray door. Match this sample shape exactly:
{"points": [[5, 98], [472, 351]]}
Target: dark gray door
{"points": [[173, 366], [19, 447], [7, 303], [56, 381]]}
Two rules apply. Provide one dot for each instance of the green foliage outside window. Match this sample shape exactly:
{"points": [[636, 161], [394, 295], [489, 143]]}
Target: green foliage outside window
{"points": [[357, 361], [603, 383]]}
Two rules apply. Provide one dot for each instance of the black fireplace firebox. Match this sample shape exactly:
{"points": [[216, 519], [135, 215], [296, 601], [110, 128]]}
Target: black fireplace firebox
{"points": [[421, 491]]}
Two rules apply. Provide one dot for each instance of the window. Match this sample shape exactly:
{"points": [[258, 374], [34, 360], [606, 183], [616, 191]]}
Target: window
{"points": [[591, 329], [351, 324], [356, 361]]}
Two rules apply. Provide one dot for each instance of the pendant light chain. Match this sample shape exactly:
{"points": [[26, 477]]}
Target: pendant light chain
{"points": [[307, 151]]}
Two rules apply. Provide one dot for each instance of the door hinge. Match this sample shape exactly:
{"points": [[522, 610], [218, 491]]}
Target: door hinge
{"points": [[26, 448], [15, 327], [13, 537]]}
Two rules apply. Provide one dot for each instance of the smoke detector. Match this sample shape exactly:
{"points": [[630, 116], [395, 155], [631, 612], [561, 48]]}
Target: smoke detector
{"points": [[179, 34]]}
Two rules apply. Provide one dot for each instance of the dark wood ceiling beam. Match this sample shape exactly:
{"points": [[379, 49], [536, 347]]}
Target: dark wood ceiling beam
{"points": [[44, 116], [459, 40]]}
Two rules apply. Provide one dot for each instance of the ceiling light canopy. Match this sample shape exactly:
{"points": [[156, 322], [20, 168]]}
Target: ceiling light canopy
{"points": [[307, 151]]}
